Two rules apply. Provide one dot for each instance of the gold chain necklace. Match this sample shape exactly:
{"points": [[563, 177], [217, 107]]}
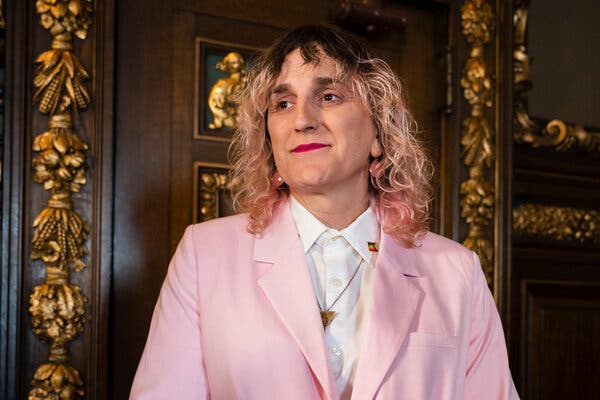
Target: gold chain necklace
{"points": [[327, 315]]}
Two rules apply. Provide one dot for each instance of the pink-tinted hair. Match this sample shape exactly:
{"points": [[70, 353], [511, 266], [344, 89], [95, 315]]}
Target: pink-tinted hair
{"points": [[401, 195]]}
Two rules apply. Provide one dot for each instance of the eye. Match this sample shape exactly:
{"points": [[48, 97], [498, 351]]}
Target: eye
{"points": [[282, 105], [330, 97]]}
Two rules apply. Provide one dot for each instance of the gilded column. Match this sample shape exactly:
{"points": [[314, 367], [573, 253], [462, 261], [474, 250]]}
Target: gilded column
{"points": [[57, 307], [477, 137]]}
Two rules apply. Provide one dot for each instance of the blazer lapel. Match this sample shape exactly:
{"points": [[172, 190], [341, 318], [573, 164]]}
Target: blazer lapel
{"points": [[394, 304], [288, 287]]}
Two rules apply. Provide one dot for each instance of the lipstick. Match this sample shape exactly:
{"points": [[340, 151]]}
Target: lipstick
{"points": [[308, 147]]}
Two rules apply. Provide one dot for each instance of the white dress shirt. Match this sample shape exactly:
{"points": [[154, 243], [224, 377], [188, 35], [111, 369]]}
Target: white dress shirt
{"points": [[333, 258]]}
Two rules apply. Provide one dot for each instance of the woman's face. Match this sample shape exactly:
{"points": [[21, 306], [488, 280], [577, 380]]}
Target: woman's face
{"points": [[320, 134]]}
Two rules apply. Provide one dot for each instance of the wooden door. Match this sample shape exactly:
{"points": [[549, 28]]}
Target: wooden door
{"points": [[163, 145]]}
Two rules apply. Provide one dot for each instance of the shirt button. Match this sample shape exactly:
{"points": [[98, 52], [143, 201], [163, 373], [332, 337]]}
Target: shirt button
{"points": [[335, 351], [336, 282]]}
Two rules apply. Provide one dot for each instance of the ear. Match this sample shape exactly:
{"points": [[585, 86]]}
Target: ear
{"points": [[376, 149]]}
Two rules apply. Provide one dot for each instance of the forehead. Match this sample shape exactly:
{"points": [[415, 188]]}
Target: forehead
{"points": [[295, 66]]}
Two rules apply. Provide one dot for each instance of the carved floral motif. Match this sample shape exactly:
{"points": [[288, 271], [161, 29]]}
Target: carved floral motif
{"points": [[57, 312], [56, 382], [59, 16], [477, 137], [477, 21], [57, 307], [565, 224], [210, 184]]}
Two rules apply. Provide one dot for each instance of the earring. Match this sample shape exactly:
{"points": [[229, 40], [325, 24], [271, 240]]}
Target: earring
{"points": [[375, 169], [277, 180]]}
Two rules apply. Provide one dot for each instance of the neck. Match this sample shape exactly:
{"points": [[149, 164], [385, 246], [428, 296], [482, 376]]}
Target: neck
{"points": [[334, 211]]}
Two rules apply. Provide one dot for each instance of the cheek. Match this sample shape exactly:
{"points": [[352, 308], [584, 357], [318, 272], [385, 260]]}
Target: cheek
{"points": [[277, 143], [361, 139]]}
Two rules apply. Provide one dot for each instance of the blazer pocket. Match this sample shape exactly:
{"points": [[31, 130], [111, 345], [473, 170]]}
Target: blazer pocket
{"points": [[418, 339]]}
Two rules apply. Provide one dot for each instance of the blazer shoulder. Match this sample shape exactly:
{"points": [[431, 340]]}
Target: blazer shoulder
{"points": [[434, 243], [216, 230], [440, 256]]}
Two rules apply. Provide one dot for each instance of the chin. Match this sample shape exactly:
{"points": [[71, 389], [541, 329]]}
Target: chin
{"points": [[313, 184]]}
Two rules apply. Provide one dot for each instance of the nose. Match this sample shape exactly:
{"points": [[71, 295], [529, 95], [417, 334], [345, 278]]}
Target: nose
{"points": [[307, 117]]}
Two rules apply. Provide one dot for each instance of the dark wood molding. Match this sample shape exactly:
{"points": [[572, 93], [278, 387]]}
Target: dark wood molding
{"points": [[100, 180], [15, 201], [504, 162]]}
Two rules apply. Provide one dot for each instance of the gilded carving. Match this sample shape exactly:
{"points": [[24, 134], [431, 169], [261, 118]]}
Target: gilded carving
{"points": [[478, 21], [56, 381], [210, 184], [564, 224], [57, 307], [59, 81], [57, 312], [556, 134], [477, 137], [65, 16], [221, 99]]}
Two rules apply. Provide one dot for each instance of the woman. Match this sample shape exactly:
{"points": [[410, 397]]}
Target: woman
{"points": [[329, 286]]}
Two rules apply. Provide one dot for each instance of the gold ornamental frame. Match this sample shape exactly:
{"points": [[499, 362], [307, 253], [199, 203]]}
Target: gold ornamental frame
{"points": [[554, 134], [539, 221], [200, 83], [206, 188]]}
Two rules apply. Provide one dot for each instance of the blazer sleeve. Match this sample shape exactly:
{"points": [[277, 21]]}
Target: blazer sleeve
{"points": [[172, 366], [488, 375]]}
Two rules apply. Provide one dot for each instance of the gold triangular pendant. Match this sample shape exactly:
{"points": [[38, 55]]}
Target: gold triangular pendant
{"points": [[327, 317]]}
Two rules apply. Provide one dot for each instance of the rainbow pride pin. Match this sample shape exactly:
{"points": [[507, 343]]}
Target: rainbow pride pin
{"points": [[372, 247]]}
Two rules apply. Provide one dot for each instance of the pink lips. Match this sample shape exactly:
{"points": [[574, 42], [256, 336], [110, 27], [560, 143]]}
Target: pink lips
{"points": [[308, 147]]}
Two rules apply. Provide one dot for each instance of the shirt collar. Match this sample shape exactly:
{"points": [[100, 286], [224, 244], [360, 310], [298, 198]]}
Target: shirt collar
{"points": [[359, 233]]}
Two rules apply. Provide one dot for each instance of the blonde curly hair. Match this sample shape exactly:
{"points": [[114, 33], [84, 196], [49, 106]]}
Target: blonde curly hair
{"points": [[400, 196]]}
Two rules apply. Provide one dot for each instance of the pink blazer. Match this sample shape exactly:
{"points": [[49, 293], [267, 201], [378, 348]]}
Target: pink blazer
{"points": [[237, 319]]}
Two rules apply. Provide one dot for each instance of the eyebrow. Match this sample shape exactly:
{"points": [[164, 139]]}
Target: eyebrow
{"points": [[283, 88], [319, 81], [324, 81]]}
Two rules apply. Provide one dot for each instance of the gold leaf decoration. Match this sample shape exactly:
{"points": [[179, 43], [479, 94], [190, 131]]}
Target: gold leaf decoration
{"points": [[477, 202], [60, 16], [57, 312], [477, 21], [57, 307], [60, 164], [221, 99], [56, 382], [556, 134], [59, 237], [477, 137], [60, 82], [477, 142], [562, 224], [210, 184]]}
